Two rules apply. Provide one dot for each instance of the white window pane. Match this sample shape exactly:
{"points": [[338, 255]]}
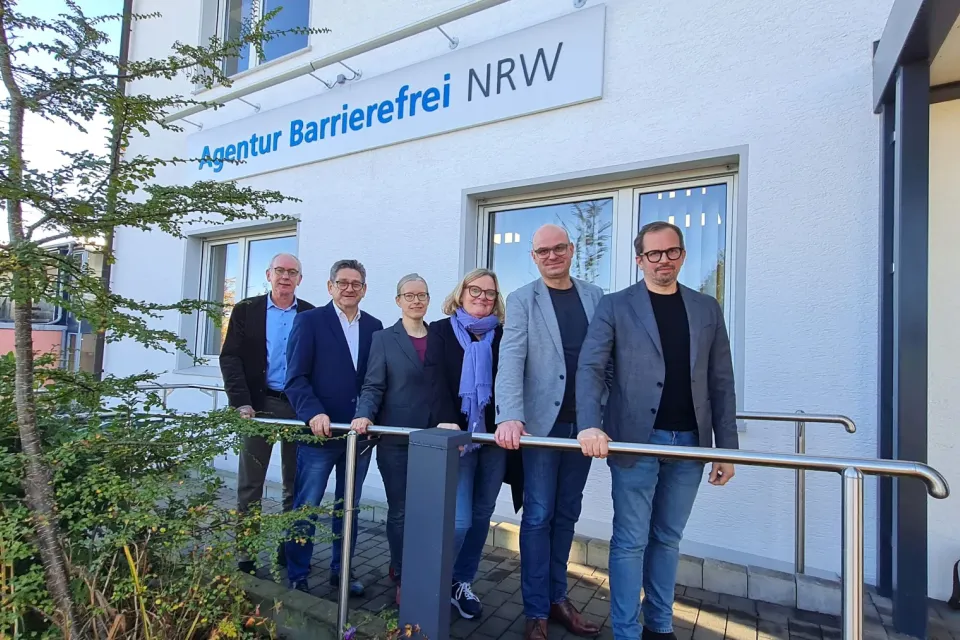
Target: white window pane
{"points": [[589, 223], [223, 269], [701, 214], [259, 255], [293, 14]]}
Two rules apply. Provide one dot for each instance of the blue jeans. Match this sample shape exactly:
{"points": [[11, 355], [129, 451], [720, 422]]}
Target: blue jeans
{"points": [[553, 482], [481, 476], [314, 465], [392, 463], [652, 501]]}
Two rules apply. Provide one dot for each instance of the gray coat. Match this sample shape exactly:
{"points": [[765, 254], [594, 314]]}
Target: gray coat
{"points": [[531, 379], [625, 329], [394, 392]]}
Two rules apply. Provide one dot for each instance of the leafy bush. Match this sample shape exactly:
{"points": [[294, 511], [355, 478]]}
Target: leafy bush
{"points": [[150, 547]]}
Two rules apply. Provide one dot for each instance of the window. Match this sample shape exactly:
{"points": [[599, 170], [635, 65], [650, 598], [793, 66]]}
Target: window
{"points": [[603, 224], [588, 222], [701, 213], [234, 269], [237, 15]]}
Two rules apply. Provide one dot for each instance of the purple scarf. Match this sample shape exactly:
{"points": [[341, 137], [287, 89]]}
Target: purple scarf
{"points": [[476, 377]]}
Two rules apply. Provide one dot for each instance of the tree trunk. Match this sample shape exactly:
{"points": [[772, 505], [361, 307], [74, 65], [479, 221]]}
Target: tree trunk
{"points": [[37, 479]]}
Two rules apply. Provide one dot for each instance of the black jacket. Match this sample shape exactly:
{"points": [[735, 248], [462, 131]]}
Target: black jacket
{"points": [[442, 366], [243, 356]]}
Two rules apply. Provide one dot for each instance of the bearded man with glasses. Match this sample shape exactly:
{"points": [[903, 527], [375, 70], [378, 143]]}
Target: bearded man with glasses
{"points": [[253, 363], [326, 365], [672, 384]]}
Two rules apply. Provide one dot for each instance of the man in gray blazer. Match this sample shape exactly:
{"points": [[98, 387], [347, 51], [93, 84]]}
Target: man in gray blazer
{"points": [[546, 323], [672, 385]]}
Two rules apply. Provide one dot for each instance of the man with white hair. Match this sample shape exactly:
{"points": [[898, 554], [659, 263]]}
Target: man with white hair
{"points": [[253, 361]]}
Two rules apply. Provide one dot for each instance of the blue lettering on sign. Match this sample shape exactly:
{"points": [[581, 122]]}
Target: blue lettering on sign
{"points": [[496, 78]]}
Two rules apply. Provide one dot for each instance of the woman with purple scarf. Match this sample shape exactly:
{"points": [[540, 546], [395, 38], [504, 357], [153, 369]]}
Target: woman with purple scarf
{"points": [[460, 367]]}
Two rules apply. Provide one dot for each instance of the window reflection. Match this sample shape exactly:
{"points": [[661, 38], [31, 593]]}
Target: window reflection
{"points": [[589, 223], [701, 213], [223, 269], [259, 255]]}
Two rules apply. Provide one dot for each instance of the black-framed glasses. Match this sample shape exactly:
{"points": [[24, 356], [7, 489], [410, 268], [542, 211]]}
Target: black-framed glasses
{"points": [[343, 285], [656, 255], [280, 272], [557, 250], [410, 297], [476, 292]]}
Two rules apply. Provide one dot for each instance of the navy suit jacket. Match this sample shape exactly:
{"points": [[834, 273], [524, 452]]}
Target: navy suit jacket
{"points": [[321, 377]]}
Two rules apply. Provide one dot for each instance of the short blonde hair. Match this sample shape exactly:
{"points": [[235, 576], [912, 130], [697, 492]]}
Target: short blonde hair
{"points": [[453, 301]]}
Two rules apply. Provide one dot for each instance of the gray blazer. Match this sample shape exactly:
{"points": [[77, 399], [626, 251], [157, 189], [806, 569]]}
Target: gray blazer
{"points": [[531, 378], [394, 390], [625, 329]]}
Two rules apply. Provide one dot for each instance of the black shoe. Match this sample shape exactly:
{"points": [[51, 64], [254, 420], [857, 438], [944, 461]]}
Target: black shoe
{"points": [[282, 555], [465, 600], [246, 566], [300, 585], [652, 635]]}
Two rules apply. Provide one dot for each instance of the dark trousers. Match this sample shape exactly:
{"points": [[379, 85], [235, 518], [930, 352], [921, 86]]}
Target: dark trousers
{"points": [[255, 458], [392, 463], [553, 482]]}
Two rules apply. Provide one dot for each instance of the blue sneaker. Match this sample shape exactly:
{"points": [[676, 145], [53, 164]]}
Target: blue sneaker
{"points": [[356, 587], [466, 601]]}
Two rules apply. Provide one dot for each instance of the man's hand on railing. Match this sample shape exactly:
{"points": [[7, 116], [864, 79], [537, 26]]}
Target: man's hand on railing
{"points": [[360, 425], [593, 442], [508, 434], [721, 473], [320, 425], [246, 411]]}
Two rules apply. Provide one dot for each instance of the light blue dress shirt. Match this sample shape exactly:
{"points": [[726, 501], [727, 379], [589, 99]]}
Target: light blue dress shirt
{"points": [[279, 324]]}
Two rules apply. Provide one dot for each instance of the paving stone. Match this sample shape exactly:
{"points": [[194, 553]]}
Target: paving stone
{"points": [[770, 630], [740, 604], [379, 603], [804, 630], [494, 600], [683, 633], [774, 612], [831, 633], [820, 619], [712, 617], [483, 587], [494, 627], [509, 611], [741, 626], [581, 595], [703, 596], [508, 585], [690, 572], [597, 607]]}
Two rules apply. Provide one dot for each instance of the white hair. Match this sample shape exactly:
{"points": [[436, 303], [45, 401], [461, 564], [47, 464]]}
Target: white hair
{"points": [[273, 260]]}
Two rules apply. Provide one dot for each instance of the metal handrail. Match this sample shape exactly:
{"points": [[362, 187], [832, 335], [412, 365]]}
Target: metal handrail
{"points": [[800, 420], [851, 471], [438, 20]]}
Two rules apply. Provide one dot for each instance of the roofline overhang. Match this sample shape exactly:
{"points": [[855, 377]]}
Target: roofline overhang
{"points": [[915, 30]]}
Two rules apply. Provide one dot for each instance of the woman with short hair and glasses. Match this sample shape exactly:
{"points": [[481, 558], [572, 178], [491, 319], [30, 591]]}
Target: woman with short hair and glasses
{"points": [[461, 365], [395, 393]]}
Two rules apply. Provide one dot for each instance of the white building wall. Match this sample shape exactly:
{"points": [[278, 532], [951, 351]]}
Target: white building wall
{"points": [[790, 82], [944, 341]]}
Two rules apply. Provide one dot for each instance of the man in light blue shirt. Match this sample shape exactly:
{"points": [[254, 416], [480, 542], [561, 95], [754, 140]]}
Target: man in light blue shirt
{"points": [[253, 361]]}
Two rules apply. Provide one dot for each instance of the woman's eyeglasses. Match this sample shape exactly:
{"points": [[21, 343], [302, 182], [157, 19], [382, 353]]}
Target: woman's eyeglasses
{"points": [[476, 292]]}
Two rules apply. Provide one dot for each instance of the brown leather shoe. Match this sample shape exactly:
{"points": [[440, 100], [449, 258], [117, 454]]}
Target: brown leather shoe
{"points": [[535, 629], [567, 615]]}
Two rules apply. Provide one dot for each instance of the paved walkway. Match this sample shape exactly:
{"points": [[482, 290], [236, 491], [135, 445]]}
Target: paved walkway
{"points": [[698, 615]]}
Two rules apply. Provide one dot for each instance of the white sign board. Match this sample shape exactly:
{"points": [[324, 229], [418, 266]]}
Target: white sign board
{"points": [[550, 65]]}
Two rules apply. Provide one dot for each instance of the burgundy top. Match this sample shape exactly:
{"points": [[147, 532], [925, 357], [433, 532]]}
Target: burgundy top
{"points": [[420, 345]]}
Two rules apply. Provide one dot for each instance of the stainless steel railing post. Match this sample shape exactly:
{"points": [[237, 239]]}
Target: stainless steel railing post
{"points": [[852, 550], [800, 507], [349, 491]]}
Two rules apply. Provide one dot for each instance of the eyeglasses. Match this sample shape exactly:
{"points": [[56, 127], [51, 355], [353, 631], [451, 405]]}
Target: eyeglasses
{"points": [[343, 285], [673, 253], [280, 272], [410, 297], [557, 250], [476, 292]]}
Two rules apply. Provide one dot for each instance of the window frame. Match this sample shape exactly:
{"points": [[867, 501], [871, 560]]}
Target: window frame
{"points": [[223, 20], [243, 242]]}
